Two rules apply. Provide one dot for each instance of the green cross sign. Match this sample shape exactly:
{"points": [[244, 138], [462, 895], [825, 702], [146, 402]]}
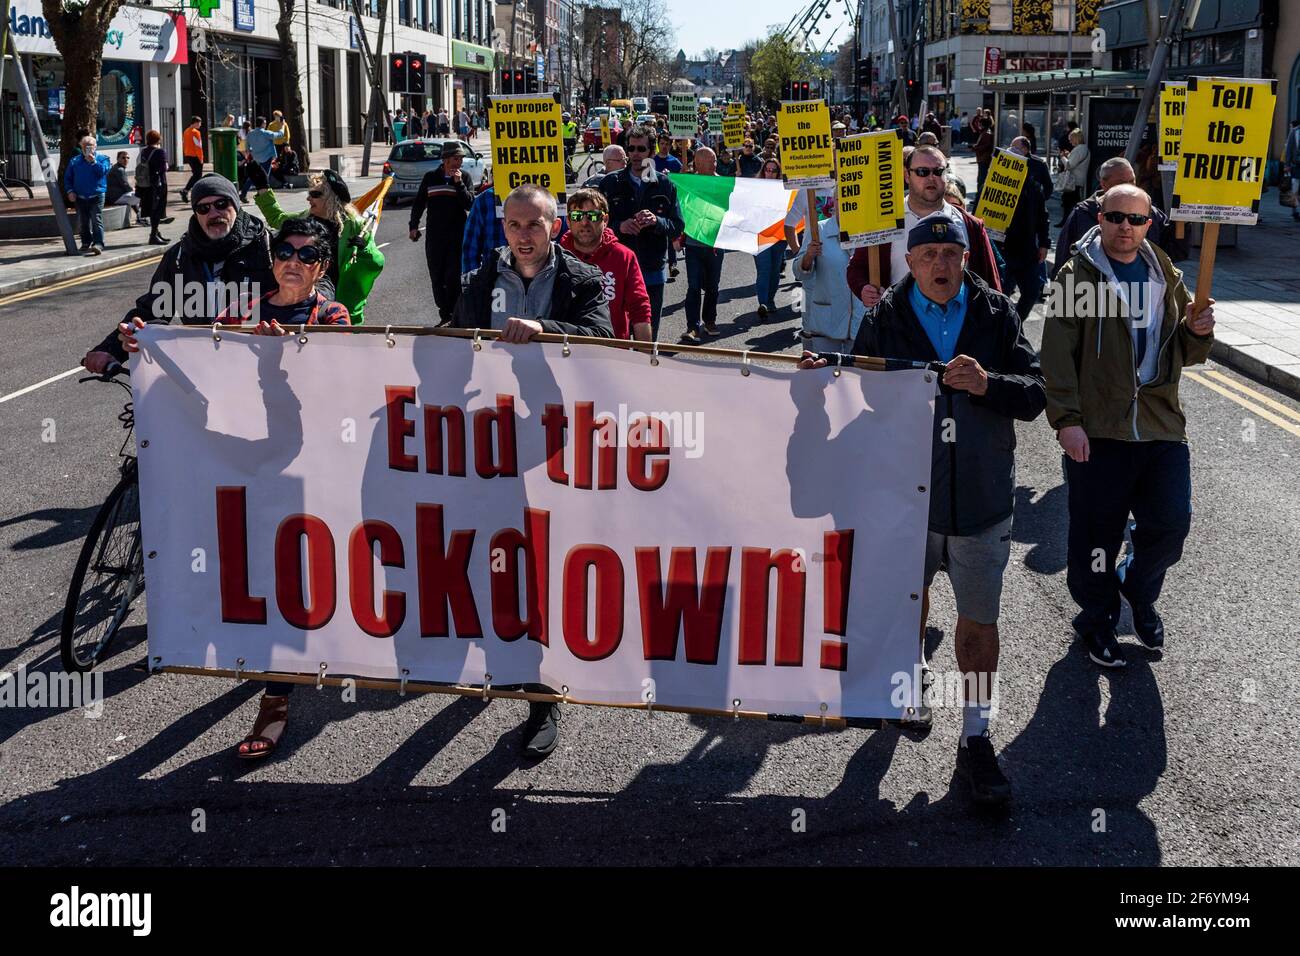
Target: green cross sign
{"points": [[205, 7]]}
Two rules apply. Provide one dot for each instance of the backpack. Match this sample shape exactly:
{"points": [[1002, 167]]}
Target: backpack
{"points": [[143, 174]]}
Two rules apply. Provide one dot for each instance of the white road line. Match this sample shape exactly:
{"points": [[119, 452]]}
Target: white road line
{"points": [[382, 244], [32, 388]]}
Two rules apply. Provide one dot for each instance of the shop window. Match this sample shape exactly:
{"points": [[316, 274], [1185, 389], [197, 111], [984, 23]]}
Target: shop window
{"points": [[120, 104], [1229, 48]]}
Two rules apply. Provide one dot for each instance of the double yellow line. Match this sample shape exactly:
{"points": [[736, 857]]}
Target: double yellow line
{"points": [[78, 280], [1284, 417]]}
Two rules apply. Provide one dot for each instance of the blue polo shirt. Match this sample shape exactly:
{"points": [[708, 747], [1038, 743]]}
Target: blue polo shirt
{"points": [[942, 323]]}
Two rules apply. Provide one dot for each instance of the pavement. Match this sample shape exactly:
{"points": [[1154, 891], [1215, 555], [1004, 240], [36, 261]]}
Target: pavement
{"points": [[1183, 758]]}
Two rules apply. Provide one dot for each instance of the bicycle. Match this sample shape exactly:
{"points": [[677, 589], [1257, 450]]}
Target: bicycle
{"points": [[6, 182], [109, 574]]}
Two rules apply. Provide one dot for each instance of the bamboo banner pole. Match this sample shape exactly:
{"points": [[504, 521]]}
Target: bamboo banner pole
{"points": [[487, 692], [1205, 274]]}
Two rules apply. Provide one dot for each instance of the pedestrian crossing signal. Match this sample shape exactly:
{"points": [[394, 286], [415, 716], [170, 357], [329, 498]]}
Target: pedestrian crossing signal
{"points": [[796, 90]]}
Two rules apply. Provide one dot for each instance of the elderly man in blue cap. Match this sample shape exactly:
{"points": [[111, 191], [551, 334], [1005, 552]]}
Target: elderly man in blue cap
{"points": [[944, 314]]}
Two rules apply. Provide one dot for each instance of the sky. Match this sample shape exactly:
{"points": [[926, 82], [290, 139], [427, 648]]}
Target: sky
{"points": [[724, 24]]}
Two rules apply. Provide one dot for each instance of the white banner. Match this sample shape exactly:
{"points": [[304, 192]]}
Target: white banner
{"points": [[443, 513]]}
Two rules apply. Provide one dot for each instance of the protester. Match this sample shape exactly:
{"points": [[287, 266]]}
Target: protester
{"points": [[1039, 174], [261, 147], [905, 130], [924, 177], [644, 214], [223, 247], [726, 162], [614, 158], [831, 313], [119, 190], [447, 192], [1028, 241], [955, 125], [983, 147], [990, 380], [86, 181], [1074, 174], [151, 184], [593, 242], [703, 271], [355, 262], [768, 261], [666, 162], [1115, 171], [483, 232], [192, 152], [747, 163], [1120, 328]]}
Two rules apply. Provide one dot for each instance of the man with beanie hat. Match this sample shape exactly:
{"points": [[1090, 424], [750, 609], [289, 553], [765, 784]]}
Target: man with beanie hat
{"points": [[942, 313], [447, 192], [223, 247]]}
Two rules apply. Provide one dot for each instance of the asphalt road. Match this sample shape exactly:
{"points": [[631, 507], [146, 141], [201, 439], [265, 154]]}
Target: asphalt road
{"points": [[1184, 758]]}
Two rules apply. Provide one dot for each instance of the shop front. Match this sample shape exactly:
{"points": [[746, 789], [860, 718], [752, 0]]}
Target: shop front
{"points": [[471, 66], [139, 84]]}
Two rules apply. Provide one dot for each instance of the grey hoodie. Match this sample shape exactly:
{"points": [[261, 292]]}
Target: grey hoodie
{"points": [[1153, 299]]}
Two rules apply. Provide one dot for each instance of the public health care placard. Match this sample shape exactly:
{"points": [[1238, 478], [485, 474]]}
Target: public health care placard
{"points": [[430, 511], [733, 126], [870, 188], [1224, 149], [527, 144]]}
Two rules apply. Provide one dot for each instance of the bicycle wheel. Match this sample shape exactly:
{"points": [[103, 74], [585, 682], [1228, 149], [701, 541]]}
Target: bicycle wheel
{"points": [[108, 576], [11, 184]]}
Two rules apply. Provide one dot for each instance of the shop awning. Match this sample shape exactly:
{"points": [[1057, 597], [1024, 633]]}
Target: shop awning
{"points": [[1061, 81]]}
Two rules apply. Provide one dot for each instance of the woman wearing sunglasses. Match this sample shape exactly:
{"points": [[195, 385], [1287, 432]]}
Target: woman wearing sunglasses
{"points": [[355, 262], [768, 261]]}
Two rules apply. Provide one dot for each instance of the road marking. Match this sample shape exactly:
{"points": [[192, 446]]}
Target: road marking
{"points": [[1257, 396], [79, 280], [1262, 412], [32, 388]]}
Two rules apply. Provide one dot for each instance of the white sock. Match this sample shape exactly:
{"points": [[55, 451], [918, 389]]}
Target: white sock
{"points": [[974, 721]]}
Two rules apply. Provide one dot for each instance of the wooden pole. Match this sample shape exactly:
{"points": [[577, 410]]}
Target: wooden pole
{"points": [[1205, 275], [1180, 229], [873, 263], [814, 231]]}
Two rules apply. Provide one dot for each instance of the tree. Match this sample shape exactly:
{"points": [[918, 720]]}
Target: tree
{"points": [[646, 37], [79, 27], [773, 63], [292, 91]]}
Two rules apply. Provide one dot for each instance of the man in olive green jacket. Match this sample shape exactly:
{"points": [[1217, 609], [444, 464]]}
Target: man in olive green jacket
{"points": [[1120, 327]]}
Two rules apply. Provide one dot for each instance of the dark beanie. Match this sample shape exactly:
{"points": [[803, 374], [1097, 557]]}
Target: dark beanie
{"points": [[213, 184], [336, 183]]}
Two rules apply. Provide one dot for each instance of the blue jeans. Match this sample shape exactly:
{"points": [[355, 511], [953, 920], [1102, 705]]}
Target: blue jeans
{"points": [[767, 268], [266, 168], [90, 215], [703, 275]]}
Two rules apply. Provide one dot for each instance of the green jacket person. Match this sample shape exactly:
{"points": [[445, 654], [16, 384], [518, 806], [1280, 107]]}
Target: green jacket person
{"points": [[357, 260]]}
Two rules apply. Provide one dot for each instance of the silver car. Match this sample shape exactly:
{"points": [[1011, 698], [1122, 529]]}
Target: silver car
{"points": [[412, 158]]}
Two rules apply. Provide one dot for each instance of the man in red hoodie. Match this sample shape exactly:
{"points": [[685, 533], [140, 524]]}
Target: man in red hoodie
{"points": [[592, 241]]}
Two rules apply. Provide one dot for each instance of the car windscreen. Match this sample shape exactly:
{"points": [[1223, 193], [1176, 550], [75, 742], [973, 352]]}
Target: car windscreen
{"points": [[415, 152]]}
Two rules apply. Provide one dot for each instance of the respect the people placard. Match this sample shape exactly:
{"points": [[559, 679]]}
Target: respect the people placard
{"points": [[807, 150]]}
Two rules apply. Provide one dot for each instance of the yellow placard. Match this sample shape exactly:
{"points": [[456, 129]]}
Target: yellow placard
{"points": [[869, 171], [807, 150], [527, 144], [733, 129], [1002, 188], [1173, 106], [604, 130], [1224, 149]]}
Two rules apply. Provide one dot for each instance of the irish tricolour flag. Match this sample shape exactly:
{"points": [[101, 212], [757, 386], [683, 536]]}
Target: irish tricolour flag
{"points": [[728, 212]]}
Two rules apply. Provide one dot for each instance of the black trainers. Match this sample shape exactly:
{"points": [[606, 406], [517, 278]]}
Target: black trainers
{"points": [[1103, 647], [1148, 626], [690, 338], [542, 730], [978, 765]]}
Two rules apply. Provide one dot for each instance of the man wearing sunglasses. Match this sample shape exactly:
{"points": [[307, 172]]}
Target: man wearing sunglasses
{"points": [[592, 241], [924, 176], [1120, 328], [223, 248], [748, 163]]}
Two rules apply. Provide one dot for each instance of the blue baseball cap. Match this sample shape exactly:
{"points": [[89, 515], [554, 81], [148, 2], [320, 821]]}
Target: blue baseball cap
{"points": [[937, 228]]}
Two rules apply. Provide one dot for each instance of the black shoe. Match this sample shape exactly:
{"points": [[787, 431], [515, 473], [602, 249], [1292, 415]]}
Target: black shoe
{"points": [[167, 221], [1148, 626], [690, 338], [711, 330], [978, 765], [762, 311], [1103, 647], [157, 239], [185, 198], [542, 730]]}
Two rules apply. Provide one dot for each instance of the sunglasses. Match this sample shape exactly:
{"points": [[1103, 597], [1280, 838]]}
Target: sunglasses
{"points": [[204, 208], [1134, 218], [307, 255], [586, 215], [926, 171], [638, 149], [315, 193]]}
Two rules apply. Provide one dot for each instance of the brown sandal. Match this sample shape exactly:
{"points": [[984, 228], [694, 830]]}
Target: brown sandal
{"points": [[272, 715]]}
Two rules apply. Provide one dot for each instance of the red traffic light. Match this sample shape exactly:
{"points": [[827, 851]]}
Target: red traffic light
{"points": [[417, 64], [397, 62]]}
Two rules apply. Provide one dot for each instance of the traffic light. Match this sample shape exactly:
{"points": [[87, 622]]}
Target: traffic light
{"points": [[796, 90], [415, 73], [803, 91], [520, 82], [397, 79], [531, 84], [505, 81], [863, 74]]}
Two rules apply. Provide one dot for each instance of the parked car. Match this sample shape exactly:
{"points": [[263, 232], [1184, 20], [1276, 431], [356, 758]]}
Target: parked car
{"points": [[412, 158], [645, 119], [591, 135]]}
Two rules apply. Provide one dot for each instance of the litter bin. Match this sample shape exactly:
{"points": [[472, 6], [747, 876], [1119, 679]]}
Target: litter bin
{"points": [[225, 152]]}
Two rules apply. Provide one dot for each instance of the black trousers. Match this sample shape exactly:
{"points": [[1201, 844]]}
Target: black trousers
{"points": [[153, 203], [1152, 481], [444, 276], [196, 172]]}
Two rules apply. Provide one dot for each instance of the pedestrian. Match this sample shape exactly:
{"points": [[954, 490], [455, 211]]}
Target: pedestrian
{"points": [[991, 379], [1031, 135], [192, 151], [1074, 174], [832, 315], [444, 122], [223, 248], [1120, 328], [644, 214], [1028, 240], [261, 142], [703, 271], [447, 192], [280, 127], [592, 241], [748, 164], [983, 148], [1292, 159], [932, 125], [923, 175], [1063, 142], [1115, 171], [151, 185], [86, 181], [484, 232], [956, 125], [355, 262], [119, 190], [768, 261], [462, 124]]}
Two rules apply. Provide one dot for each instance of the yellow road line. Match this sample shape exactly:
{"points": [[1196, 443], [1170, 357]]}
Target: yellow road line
{"points": [[78, 280], [1262, 412], [1257, 396]]}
